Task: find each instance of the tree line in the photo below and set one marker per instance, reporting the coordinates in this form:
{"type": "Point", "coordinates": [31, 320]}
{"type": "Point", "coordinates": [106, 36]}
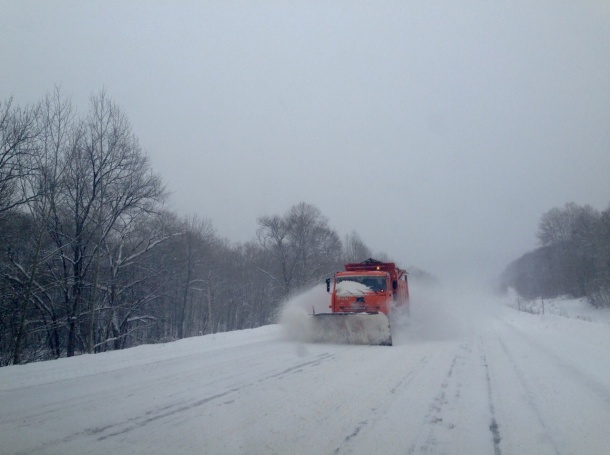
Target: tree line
{"type": "Point", "coordinates": [573, 258]}
{"type": "Point", "coordinates": [92, 259]}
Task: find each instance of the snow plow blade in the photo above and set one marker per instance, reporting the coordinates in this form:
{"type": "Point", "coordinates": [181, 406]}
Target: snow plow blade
{"type": "Point", "coordinates": [352, 328]}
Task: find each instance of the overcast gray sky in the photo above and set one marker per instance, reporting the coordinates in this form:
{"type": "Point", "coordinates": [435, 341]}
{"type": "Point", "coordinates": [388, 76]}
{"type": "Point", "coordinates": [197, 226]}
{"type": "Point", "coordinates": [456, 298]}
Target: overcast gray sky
{"type": "Point", "coordinates": [440, 131]}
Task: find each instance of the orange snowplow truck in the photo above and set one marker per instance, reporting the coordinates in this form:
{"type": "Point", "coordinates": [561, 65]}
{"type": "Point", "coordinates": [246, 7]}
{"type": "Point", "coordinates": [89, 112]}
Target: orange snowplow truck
{"type": "Point", "coordinates": [363, 298]}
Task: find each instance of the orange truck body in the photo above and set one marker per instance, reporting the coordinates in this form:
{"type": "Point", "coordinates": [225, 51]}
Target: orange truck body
{"type": "Point", "coordinates": [369, 287]}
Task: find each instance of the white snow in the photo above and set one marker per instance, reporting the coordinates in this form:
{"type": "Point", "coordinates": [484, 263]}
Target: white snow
{"type": "Point", "coordinates": [468, 375]}
{"type": "Point", "coordinates": [563, 306]}
{"type": "Point", "coordinates": [344, 288]}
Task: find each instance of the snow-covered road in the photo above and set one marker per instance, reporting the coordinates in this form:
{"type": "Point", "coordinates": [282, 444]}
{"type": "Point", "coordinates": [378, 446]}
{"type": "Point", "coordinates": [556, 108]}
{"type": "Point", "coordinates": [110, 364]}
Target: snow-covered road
{"type": "Point", "coordinates": [463, 379]}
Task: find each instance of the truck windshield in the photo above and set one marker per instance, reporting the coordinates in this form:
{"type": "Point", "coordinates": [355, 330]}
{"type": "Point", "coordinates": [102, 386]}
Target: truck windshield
{"type": "Point", "coordinates": [374, 283]}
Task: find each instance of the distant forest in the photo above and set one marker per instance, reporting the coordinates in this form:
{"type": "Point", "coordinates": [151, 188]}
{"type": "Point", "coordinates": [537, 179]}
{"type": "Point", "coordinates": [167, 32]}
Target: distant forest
{"type": "Point", "coordinates": [573, 258]}
{"type": "Point", "coordinates": [92, 260]}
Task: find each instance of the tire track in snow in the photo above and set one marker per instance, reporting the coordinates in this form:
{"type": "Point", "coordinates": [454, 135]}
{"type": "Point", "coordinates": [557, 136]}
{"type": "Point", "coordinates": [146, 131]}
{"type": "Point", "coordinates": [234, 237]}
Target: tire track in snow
{"type": "Point", "coordinates": [531, 402]}
{"type": "Point", "coordinates": [493, 426]}
{"type": "Point", "coordinates": [434, 417]}
{"type": "Point", "coordinates": [299, 367]}
{"type": "Point", "coordinates": [602, 391]}
{"type": "Point", "coordinates": [173, 409]}
{"type": "Point", "coordinates": [138, 422]}
{"type": "Point", "coordinates": [405, 381]}
{"type": "Point", "coordinates": [402, 384]}
{"type": "Point", "coordinates": [352, 435]}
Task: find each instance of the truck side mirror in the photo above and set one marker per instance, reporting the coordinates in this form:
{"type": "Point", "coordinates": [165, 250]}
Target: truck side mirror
{"type": "Point", "coordinates": [394, 284]}
{"type": "Point", "coordinates": [327, 284]}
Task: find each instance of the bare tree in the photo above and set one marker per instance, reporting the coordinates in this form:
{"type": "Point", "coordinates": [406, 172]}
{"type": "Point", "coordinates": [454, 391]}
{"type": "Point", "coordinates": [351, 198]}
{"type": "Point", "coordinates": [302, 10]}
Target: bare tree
{"type": "Point", "coordinates": [557, 225]}
{"type": "Point", "coordinates": [273, 237]}
{"type": "Point", "coordinates": [303, 246]}
{"type": "Point", "coordinates": [38, 189]}
{"type": "Point", "coordinates": [18, 129]}
{"type": "Point", "coordinates": [197, 238]}
{"type": "Point", "coordinates": [106, 178]}
{"type": "Point", "coordinates": [571, 232]}
{"type": "Point", "coordinates": [354, 249]}
{"type": "Point", "coordinates": [598, 291]}
{"type": "Point", "coordinates": [572, 260]}
{"type": "Point", "coordinates": [128, 282]}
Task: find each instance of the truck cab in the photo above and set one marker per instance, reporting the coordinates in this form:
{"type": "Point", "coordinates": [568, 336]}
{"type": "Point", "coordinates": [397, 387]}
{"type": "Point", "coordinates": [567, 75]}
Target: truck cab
{"type": "Point", "coordinates": [368, 287]}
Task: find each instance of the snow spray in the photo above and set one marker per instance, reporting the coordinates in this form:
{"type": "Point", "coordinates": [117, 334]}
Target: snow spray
{"type": "Point", "coordinates": [295, 315]}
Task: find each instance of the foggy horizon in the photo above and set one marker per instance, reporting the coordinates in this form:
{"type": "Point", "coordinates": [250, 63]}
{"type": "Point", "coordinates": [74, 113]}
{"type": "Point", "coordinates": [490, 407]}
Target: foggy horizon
{"type": "Point", "coordinates": [440, 133]}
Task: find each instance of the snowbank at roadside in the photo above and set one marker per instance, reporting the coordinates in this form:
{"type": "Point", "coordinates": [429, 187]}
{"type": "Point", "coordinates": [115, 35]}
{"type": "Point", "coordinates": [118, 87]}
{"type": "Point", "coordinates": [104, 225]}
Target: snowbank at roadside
{"type": "Point", "coordinates": [561, 306]}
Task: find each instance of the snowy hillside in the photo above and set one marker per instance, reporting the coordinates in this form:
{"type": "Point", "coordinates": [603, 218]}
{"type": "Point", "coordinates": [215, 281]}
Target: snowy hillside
{"type": "Point", "coordinates": [470, 375]}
